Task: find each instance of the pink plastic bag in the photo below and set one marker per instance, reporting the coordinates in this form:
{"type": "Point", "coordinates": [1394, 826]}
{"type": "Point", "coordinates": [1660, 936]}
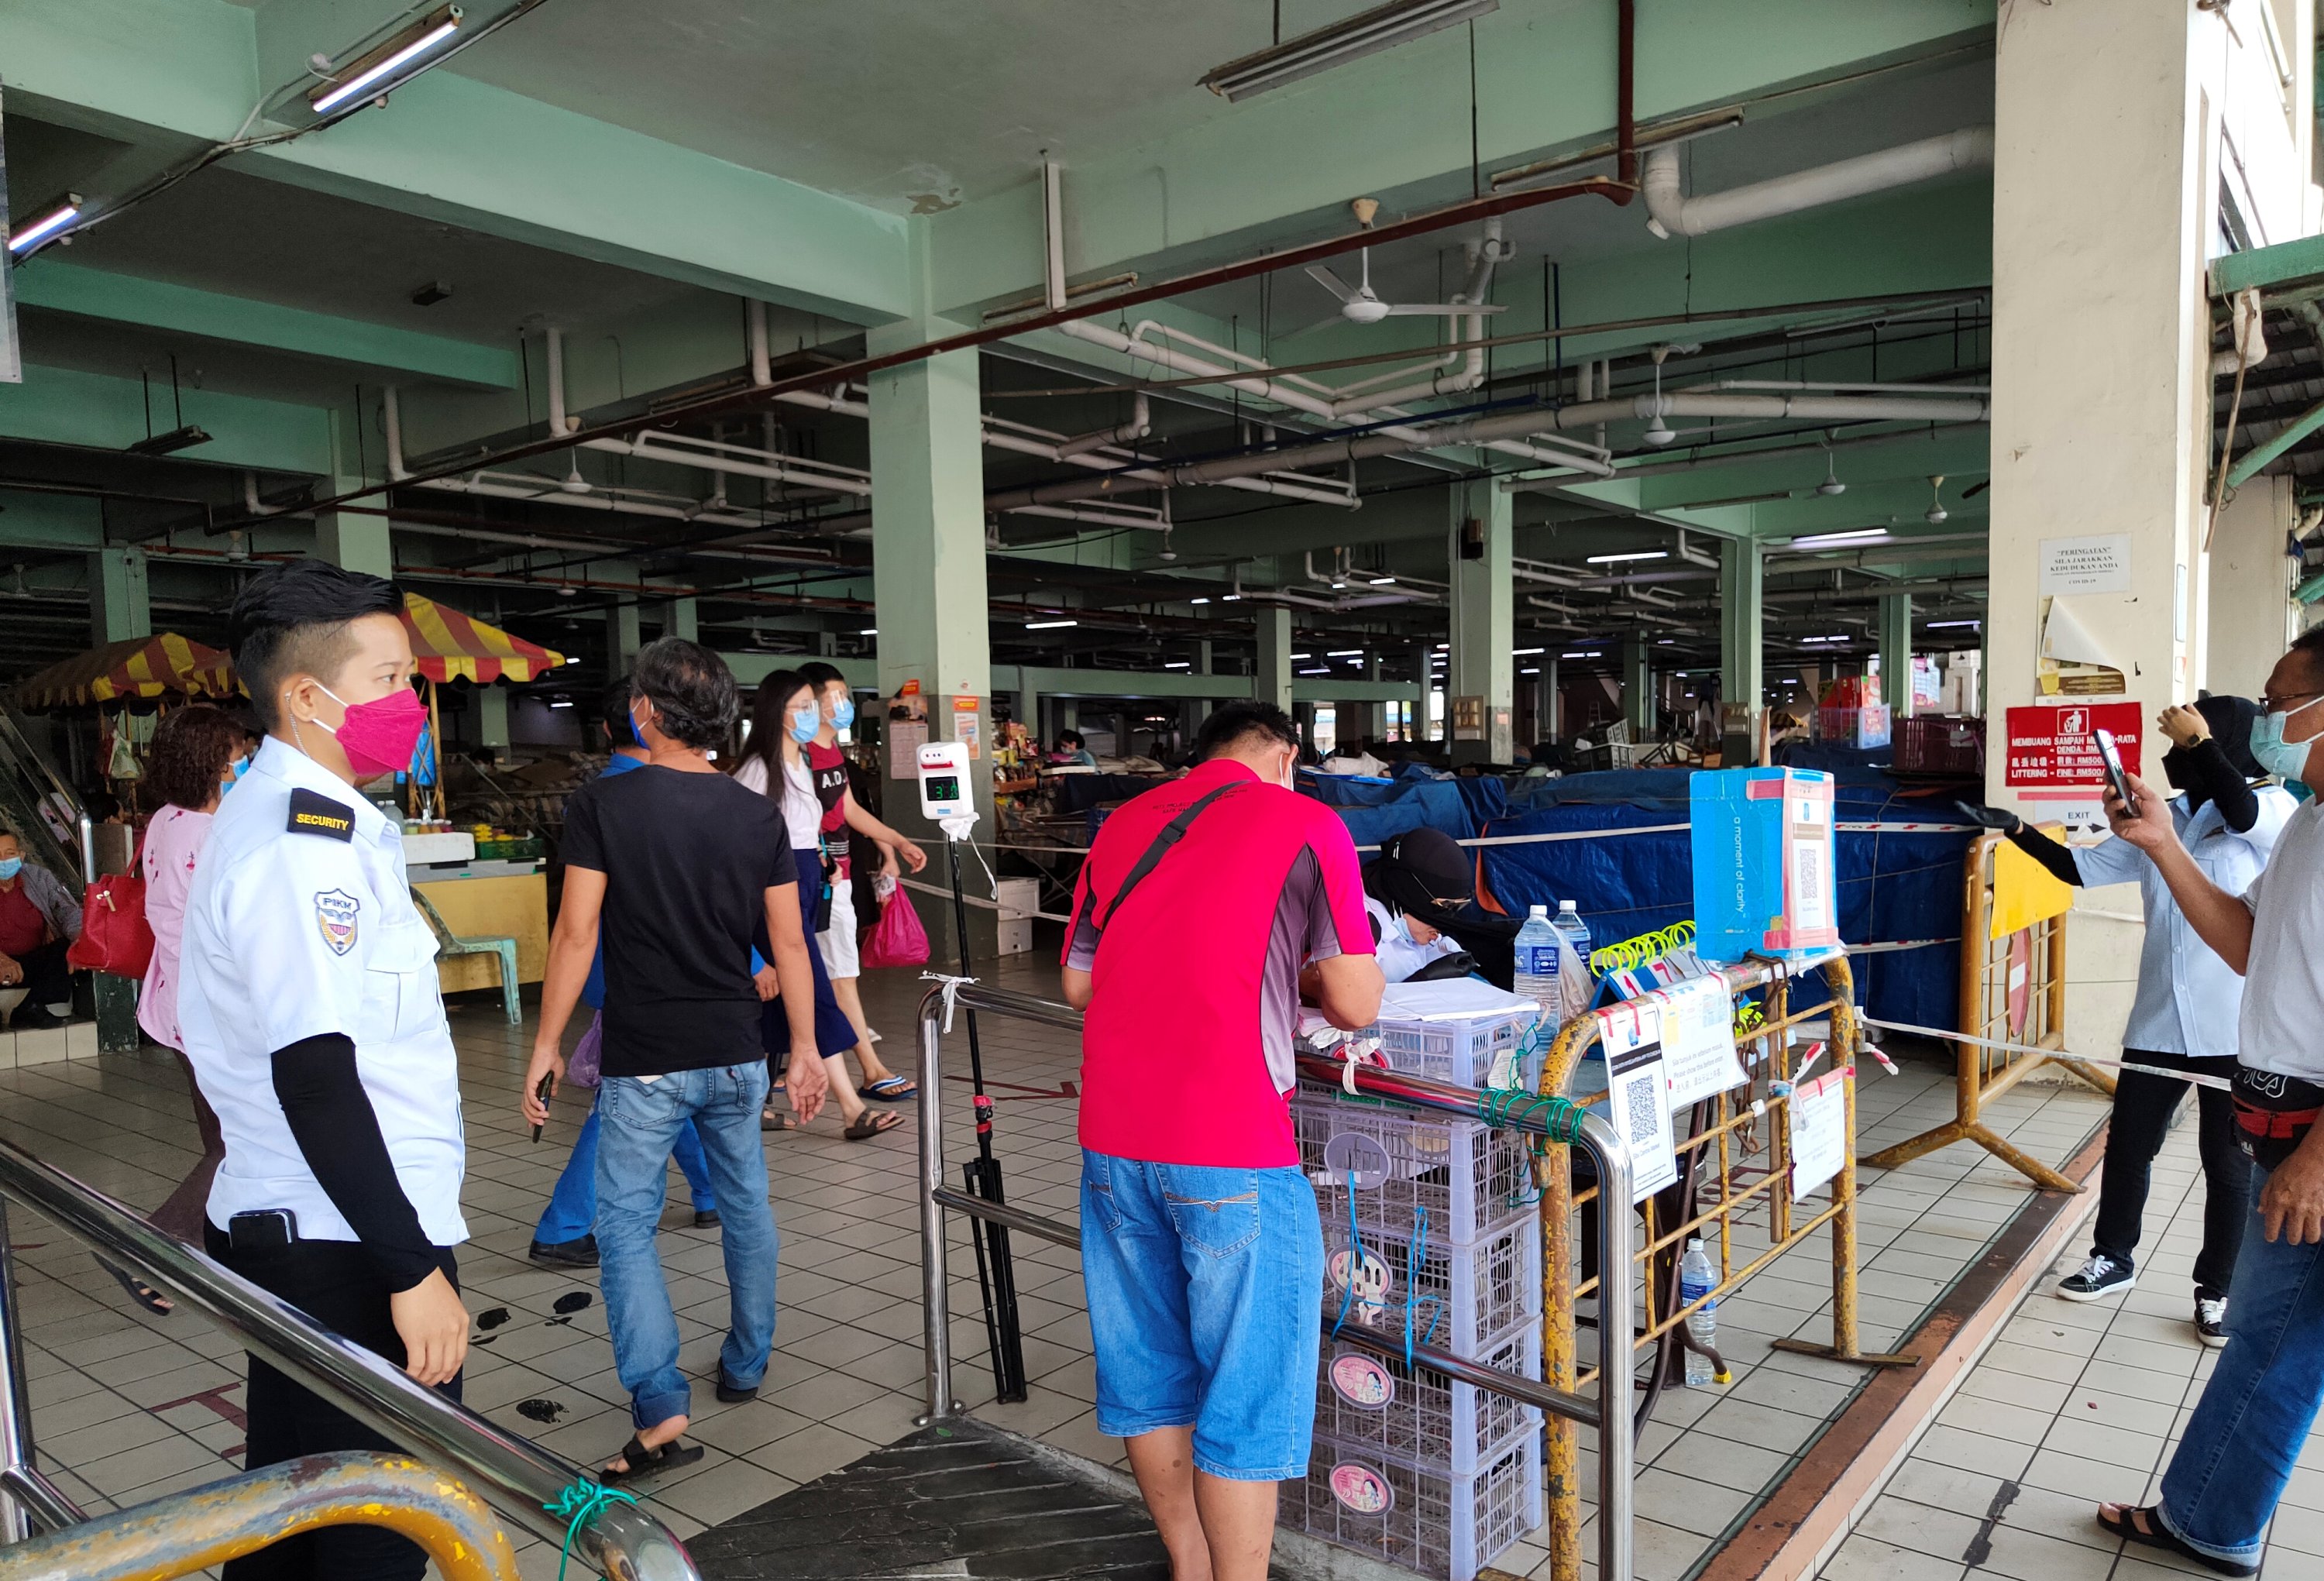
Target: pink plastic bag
{"type": "Point", "coordinates": [897, 940]}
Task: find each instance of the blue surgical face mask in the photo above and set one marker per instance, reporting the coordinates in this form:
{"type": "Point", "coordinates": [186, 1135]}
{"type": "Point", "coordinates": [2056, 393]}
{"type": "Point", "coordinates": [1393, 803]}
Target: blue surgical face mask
{"type": "Point", "coordinates": [2288, 759]}
{"type": "Point", "coordinates": [10, 868]}
{"type": "Point", "coordinates": [842, 711]}
{"type": "Point", "coordinates": [806, 724]}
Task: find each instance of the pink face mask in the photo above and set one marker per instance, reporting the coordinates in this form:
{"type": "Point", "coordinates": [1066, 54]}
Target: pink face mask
{"type": "Point", "coordinates": [379, 737]}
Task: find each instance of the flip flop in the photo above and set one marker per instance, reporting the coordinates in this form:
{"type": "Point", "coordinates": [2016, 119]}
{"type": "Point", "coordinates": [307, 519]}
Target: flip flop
{"type": "Point", "coordinates": [642, 1461]}
{"type": "Point", "coordinates": [890, 1090]}
{"type": "Point", "coordinates": [2152, 1533]}
{"type": "Point", "coordinates": [143, 1293]}
{"type": "Point", "coordinates": [867, 1125]}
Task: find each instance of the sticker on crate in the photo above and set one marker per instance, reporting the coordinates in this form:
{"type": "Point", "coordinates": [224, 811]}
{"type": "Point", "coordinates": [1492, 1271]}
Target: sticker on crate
{"type": "Point", "coordinates": [1363, 1381]}
{"type": "Point", "coordinates": [1363, 1489]}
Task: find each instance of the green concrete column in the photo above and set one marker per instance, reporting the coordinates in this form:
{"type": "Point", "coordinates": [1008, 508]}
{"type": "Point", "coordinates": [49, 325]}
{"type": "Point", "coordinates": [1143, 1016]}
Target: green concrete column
{"type": "Point", "coordinates": [119, 604]}
{"type": "Point", "coordinates": [1637, 685]}
{"type": "Point", "coordinates": [622, 637]}
{"type": "Point", "coordinates": [927, 579]}
{"type": "Point", "coordinates": [1270, 675]}
{"type": "Point", "coordinates": [1742, 649]}
{"type": "Point", "coordinates": [1483, 617]}
{"type": "Point", "coordinates": [1896, 653]}
{"type": "Point", "coordinates": [682, 617]}
{"type": "Point", "coordinates": [491, 717]}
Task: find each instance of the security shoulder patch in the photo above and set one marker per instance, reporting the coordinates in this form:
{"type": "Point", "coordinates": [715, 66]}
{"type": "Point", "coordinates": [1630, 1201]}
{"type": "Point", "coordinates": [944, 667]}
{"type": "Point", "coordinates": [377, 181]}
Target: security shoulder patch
{"type": "Point", "coordinates": [312, 813]}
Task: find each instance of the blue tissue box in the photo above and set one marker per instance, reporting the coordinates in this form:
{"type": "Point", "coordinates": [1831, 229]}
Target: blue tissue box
{"type": "Point", "coordinates": [1765, 880]}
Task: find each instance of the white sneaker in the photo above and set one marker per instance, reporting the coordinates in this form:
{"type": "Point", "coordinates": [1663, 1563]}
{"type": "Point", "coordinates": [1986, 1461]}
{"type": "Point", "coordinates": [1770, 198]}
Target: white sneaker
{"type": "Point", "coordinates": [2097, 1279]}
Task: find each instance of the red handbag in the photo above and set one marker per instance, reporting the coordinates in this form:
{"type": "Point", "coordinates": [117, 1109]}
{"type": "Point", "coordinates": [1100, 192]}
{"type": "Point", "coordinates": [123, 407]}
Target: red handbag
{"type": "Point", "coordinates": [114, 936]}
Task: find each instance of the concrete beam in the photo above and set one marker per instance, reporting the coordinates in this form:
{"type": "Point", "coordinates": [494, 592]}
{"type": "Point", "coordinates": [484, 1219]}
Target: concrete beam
{"type": "Point", "coordinates": [51, 283]}
{"type": "Point", "coordinates": [186, 72]}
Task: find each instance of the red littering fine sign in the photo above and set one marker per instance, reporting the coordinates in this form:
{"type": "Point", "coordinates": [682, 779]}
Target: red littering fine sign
{"type": "Point", "coordinates": [2050, 746]}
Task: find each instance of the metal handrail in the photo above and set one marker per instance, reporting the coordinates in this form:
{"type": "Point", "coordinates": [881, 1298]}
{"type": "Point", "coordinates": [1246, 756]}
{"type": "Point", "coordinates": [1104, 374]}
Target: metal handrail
{"type": "Point", "coordinates": [1608, 1410]}
{"type": "Point", "coordinates": [512, 1473]}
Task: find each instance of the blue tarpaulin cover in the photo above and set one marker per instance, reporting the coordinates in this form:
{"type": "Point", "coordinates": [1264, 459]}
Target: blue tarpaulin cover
{"type": "Point", "coordinates": [1893, 884]}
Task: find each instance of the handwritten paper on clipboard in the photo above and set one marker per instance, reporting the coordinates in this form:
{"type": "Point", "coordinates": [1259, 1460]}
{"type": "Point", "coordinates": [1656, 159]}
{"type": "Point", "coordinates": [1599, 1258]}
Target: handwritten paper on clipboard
{"type": "Point", "coordinates": [1637, 1094]}
{"type": "Point", "coordinates": [1819, 1131]}
{"type": "Point", "coordinates": [1698, 1031]}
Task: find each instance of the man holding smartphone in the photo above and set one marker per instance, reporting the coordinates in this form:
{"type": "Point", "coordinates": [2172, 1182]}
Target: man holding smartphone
{"type": "Point", "coordinates": [309, 1002]}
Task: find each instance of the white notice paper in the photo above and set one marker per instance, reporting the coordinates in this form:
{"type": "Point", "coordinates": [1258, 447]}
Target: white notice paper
{"type": "Point", "coordinates": [1819, 1129]}
{"type": "Point", "coordinates": [1699, 1040]}
{"type": "Point", "coordinates": [2097, 562]}
{"type": "Point", "coordinates": [1637, 1094]}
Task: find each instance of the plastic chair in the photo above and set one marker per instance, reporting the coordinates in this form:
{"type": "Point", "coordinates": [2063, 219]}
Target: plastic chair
{"type": "Point", "coordinates": [451, 943]}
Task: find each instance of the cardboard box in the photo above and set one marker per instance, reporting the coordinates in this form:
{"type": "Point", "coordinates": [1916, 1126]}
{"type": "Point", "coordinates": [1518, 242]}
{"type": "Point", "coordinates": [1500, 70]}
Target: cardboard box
{"type": "Point", "coordinates": [1765, 878]}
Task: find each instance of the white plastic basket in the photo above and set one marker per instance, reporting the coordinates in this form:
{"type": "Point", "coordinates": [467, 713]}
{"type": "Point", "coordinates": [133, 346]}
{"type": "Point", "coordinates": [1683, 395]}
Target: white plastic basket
{"type": "Point", "coordinates": [1469, 1178]}
{"type": "Point", "coordinates": [1485, 1050]}
{"type": "Point", "coordinates": [1436, 1523]}
{"type": "Point", "coordinates": [1457, 1298]}
{"type": "Point", "coordinates": [1366, 1401]}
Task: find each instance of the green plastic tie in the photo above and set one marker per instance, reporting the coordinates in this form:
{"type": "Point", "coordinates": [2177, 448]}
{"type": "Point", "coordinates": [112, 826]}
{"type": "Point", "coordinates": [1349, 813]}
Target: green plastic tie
{"type": "Point", "coordinates": [577, 1505]}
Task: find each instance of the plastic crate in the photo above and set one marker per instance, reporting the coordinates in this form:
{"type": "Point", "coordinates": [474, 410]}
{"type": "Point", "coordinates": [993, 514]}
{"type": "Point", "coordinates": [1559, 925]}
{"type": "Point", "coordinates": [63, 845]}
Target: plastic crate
{"type": "Point", "coordinates": [1469, 1178]}
{"type": "Point", "coordinates": [1458, 1298]}
{"type": "Point", "coordinates": [1423, 1417]}
{"type": "Point", "coordinates": [1434, 1522]}
{"type": "Point", "coordinates": [1490, 1049]}
{"type": "Point", "coordinates": [1939, 743]}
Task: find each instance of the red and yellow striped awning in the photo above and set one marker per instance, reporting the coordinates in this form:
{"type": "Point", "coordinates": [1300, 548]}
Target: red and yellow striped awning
{"type": "Point", "coordinates": [136, 666]}
{"type": "Point", "coordinates": [448, 644]}
{"type": "Point", "coordinates": [451, 646]}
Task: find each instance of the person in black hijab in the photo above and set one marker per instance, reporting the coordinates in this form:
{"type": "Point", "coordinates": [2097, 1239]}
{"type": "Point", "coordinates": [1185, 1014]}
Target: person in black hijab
{"type": "Point", "coordinates": [2184, 1016]}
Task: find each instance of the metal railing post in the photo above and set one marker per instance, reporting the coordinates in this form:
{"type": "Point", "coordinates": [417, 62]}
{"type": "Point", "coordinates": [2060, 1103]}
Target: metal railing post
{"type": "Point", "coordinates": [935, 1276]}
{"type": "Point", "coordinates": [621, 1541]}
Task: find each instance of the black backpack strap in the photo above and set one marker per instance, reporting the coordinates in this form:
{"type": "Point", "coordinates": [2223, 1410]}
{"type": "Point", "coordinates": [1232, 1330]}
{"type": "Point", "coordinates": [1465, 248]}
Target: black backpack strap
{"type": "Point", "coordinates": [1172, 833]}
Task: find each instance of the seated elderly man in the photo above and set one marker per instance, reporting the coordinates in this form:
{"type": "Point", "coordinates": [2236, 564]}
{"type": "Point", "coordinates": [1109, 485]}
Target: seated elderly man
{"type": "Point", "coordinates": [39, 920]}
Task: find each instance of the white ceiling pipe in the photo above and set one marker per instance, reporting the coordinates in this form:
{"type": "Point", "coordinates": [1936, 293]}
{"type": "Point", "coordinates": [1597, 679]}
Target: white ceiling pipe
{"type": "Point", "coordinates": [1671, 214]}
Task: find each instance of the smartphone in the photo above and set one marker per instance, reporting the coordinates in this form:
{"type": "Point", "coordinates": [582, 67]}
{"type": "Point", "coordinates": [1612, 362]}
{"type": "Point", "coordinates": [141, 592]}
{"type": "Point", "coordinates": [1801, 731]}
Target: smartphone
{"type": "Point", "coordinates": [2111, 756]}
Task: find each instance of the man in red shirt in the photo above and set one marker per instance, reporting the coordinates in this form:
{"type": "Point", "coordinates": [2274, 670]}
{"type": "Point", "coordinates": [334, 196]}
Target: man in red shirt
{"type": "Point", "coordinates": [1204, 909]}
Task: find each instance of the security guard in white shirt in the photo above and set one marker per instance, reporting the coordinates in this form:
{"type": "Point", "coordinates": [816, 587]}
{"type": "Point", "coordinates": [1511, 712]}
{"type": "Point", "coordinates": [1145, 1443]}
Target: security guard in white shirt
{"type": "Point", "coordinates": [312, 1019]}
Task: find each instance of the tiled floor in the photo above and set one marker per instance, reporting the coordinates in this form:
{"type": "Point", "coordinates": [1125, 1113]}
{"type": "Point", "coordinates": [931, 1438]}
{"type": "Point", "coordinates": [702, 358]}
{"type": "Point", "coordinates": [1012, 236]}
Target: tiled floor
{"type": "Point", "coordinates": [2072, 1404]}
{"type": "Point", "coordinates": [847, 1374]}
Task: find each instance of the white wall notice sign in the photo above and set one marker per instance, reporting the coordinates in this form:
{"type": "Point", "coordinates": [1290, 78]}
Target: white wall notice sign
{"type": "Point", "coordinates": [1819, 1131]}
{"type": "Point", "coordinates": [2096, 563]}
{"type": "Point", "coordinates": [1637, 1094]}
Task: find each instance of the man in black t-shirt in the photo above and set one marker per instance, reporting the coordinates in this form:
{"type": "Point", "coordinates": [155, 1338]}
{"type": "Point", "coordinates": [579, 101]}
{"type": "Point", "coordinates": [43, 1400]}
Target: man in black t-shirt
{"type": "Point", "coordinates": [678, 866]}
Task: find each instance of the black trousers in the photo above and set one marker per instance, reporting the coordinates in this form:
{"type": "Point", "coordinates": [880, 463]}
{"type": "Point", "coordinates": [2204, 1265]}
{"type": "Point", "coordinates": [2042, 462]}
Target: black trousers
{"type": "Point", "coordinates": [335, 1282]}
{"type": "Point", "coordinates": [2143, 1107]}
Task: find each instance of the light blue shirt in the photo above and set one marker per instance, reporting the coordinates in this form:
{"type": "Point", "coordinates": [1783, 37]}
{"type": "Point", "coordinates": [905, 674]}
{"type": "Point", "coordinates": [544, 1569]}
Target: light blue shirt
{"type": "Point", "coordinates": [2188, 1000]}
{"type": "Point", "coordinates": [292, 936]}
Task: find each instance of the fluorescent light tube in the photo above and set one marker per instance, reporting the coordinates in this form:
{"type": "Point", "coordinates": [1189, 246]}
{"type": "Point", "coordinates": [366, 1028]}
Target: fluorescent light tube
{"type": "Point", "coordinates": [1634, 555]}
{"type": "Point", "coordinates": [372, 71]}
{"type": "Point", "coordinates": [66, 210]}
{"type": "Point", "coordinates": [1367, 32]}
{"type": "Point", "coordinates": [1048, 625]}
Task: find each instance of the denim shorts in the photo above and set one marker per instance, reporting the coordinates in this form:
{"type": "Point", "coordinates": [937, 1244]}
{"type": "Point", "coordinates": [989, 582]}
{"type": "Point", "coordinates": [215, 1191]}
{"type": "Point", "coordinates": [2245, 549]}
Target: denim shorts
{"type": "Point", "coordinates": [1204, 1287]}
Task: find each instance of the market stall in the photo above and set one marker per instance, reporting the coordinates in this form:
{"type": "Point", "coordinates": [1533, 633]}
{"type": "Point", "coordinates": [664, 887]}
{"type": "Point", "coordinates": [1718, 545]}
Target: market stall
{"type": "Point", "coordinates": [483, 882]}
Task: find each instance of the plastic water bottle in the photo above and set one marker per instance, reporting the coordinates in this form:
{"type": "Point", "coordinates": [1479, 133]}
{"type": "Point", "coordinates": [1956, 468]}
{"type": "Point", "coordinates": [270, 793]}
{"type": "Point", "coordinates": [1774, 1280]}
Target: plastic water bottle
{"type": "Point", "coordinates": [1536, 963]}
{"type": "Point", "coordinates": [1697, 1278]}
{"type": "Point", "coordinates": [1573, 931]}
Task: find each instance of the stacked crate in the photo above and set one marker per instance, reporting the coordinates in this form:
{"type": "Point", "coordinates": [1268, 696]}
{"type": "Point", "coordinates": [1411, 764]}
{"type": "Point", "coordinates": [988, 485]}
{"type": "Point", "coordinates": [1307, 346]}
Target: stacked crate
{"type": "Point", "coordinates": [1431, 1230]}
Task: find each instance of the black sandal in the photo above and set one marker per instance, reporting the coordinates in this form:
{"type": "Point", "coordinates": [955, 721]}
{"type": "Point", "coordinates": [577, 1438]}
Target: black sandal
{"type": "Point", "coordinates": [867, 1125]}
{"type": "Point", "coordinates": [143, 1293]}
{"type": "Point", "coordinates": [2152, 1533]}
{"type": "Point", "coordinates": [640, 1461]}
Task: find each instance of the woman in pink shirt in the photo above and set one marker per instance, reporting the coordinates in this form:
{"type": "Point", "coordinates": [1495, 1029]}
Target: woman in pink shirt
{"type": "Point", "coordinates": [198, 754]}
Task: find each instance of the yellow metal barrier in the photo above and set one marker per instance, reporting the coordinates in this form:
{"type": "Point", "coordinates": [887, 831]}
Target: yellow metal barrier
{"type": "Point", "coordinates": [193, 1531]}
{"type": "Point", "coordinates": [1736, 1136]}
{"type": "Point", "coordinates": [2012, 989]}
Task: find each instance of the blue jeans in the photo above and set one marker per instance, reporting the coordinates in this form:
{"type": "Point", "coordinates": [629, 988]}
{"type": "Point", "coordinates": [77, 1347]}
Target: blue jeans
{"type": "Point", "coordinates": [1204, 1289]}
{"type": "Point", "coordinates": [641, 1120]}
{"type": "Point", "coordinates": [2222, 1482]}
{"type": "Point", "coordinates": [572, 1211]}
